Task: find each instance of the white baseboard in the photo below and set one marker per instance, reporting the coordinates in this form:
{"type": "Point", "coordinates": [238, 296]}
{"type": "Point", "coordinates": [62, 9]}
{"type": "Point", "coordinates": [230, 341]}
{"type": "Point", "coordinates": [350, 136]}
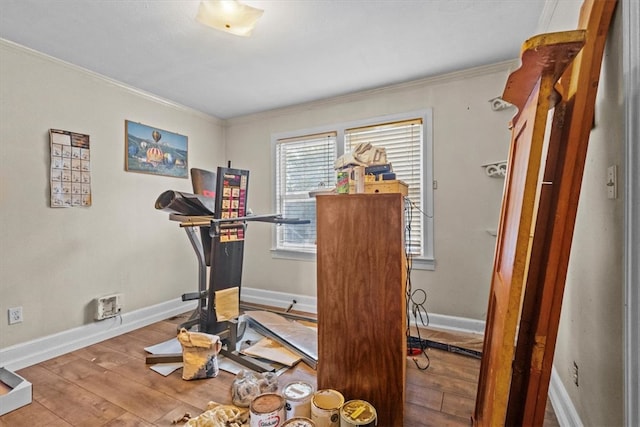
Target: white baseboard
{"type": "Point", "coordinates": [309, 305]}
{"type": "Point", "coordinates": [31, 352]}
{"type": "Point", "coordinates": [458, 324]}
{"type": "Point", "coordinates": [279, 299]}
{"type": "Point", "coordinates": [562, 405]}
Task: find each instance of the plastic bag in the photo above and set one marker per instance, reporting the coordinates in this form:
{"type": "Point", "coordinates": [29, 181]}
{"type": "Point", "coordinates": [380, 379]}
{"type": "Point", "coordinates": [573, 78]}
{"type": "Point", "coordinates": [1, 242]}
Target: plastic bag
{"type": "Point", "coordinates": [248, 384]}
{"type": "Point", "coordinates": [199, 354]}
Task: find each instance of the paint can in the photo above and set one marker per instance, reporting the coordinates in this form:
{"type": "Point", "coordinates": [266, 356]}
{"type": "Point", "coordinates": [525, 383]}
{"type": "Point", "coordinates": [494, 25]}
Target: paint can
{"type": "Point", "coordinates": [358, 413]}
{"type": "Point", "coordinates": [325, 408]}
{"type": "Point", "coordinates": [298, 399]}
{"type": "Point", "coordinates": [267, 410]}
{"type": "Point", "coordinates": [299, 422]}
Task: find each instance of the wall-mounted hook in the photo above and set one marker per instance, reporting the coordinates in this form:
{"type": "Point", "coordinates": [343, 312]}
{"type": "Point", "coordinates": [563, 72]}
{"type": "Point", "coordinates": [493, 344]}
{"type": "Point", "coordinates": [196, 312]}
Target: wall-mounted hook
{"type": "Point", "coordinates": [496, 169]}
{"type": "Point", "coordinates": [498, 104]}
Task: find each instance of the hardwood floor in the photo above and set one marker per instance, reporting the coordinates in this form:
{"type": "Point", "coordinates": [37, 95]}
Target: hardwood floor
{"type": "Point", "coordinates": [108, 384]}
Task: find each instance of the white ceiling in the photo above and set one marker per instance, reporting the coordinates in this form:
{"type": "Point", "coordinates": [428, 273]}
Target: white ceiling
{"type": "Point", "coordinates": [300, 50]}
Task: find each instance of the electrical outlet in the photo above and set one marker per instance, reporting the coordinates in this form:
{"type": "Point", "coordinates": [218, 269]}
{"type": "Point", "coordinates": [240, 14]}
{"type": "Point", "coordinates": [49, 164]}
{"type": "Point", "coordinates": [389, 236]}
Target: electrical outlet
{"type": "Point", "coordinates": [15, 315]}
{"type": "Point", "coordinates": [575, 373]}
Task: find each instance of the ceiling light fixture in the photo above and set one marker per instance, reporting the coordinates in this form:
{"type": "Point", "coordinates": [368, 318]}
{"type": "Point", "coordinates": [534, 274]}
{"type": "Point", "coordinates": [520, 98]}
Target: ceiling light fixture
{"type": "Point", "coordinates": [230, 16]}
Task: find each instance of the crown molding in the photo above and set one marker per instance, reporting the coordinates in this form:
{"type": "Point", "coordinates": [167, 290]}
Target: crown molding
{"type": "Point", "coordinates": [504, 66]}
{"type": "Point", "coordinates": [9, 45]}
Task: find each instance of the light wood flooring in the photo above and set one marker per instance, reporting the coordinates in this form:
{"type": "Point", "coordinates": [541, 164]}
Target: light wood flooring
{"type": "Point", "coordinates": [108, 384]}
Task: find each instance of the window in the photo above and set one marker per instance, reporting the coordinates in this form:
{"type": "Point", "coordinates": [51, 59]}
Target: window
{"type": "Point", "coordinates": [304, 162]}
{"type": "Point", "coordinates": [403, 144]}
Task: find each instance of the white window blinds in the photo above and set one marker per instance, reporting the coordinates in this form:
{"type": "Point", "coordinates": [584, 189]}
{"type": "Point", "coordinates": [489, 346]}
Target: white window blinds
{"type": "Point", "coordinates": [303, 164]}
{"type": "Point", "coordinates": [403, 143]}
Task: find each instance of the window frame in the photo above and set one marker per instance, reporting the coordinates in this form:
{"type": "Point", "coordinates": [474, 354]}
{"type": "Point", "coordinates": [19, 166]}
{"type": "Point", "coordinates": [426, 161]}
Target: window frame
{"type": "Point", "coordinates": [423, 262]}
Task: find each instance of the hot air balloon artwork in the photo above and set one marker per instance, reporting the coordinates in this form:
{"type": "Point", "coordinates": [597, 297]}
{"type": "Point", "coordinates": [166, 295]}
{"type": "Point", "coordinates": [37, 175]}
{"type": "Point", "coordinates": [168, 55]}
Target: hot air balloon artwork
{"type": "Point", "coordinates": [155, 156]}
{"type": "Point", "coordinates": [155, 151]}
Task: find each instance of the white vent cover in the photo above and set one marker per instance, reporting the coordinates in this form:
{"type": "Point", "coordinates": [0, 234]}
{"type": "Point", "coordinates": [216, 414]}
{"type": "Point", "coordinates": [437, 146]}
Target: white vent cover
{"type": "Point", "coordinates": [108, 306]}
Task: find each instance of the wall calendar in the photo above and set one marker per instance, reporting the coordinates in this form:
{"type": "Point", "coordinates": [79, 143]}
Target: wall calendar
{"type": "Point", "coordinates": [70, 179]}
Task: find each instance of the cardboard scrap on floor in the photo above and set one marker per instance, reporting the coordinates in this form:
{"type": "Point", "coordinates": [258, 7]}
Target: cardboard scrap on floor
{"type": "Point", "coordinates": [301, 340]}
{"type": "Point", "coordinates": [260, 347]}
{"type": "Point", "coordinates": [269, 349]}
{"type": "Point", "coordinates": [171, 346]}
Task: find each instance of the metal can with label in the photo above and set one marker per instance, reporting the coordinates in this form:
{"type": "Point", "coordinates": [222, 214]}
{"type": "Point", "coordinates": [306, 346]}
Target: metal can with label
{"type": "Point", "coordinates": [325, 408]}
{"type": "Point", "coordinates": [267, 410]}
{"type": "Point", "coordinates": [358, 413]}
{"type": "Point", "coordinates": [298, 399]}
{"type": "Point", "coordinates": [299, 422]}
{"type": "Point", "coordinates": [342, 182]}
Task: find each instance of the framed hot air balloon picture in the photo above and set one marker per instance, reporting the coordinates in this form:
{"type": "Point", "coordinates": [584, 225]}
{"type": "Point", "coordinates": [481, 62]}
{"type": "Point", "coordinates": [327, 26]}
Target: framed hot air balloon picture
{"type": "Point", "coordinates": [155, 151]}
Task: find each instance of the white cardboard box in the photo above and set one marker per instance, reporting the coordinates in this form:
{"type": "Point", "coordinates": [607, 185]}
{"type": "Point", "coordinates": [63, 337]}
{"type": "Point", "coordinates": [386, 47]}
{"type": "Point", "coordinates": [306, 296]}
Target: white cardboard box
{"type": "Point", "coordinates": [19, 393]}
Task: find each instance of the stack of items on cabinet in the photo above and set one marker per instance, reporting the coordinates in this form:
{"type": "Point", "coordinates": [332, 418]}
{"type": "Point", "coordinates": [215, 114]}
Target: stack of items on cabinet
{"type": "Point", "coordinates": [367, 170]}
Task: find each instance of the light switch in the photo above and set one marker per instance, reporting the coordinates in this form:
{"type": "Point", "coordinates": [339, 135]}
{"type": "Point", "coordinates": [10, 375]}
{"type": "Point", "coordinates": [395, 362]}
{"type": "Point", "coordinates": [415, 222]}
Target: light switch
{"type": "Point", "coordinates": [612, 182]}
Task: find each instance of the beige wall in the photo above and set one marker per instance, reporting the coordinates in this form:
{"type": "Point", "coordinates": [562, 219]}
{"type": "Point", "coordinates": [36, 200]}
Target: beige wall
{"type": "Point", "coordinates": [53, 262]}
{"type": "Point", "coordinates": [467, 133]}
{"type": "Point", "coordinates": [592, 313]}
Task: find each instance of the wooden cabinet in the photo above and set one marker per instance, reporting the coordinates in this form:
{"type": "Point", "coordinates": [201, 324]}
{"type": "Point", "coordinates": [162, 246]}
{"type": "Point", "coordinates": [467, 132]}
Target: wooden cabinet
{"type": "Point", "coordinates": [361, 272]}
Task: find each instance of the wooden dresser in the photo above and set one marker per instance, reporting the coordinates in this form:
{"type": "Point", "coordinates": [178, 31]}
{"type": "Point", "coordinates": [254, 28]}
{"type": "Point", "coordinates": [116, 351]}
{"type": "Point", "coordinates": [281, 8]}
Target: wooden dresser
{"type": "Point", "coordinates": [361, 272]}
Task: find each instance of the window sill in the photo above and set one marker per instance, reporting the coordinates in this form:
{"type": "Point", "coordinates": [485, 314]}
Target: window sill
{"type": "Point", "coordinates": [423, 264]}
{"type": "Point", "coordinates": [293, 255]}
{"type": "Point", "coordinates": [417, 263]}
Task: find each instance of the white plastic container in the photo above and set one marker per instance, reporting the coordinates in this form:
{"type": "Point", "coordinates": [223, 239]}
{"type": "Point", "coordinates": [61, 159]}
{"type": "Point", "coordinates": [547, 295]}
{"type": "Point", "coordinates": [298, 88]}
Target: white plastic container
{"type": "Point", "coordinates": [298, 399]}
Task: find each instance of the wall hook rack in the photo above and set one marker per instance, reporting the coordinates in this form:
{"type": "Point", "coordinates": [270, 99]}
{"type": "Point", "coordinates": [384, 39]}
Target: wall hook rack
{"type": "Point", "coordinates": [499, 104]}
{"type": "Point", "coordinates": [496, 169]}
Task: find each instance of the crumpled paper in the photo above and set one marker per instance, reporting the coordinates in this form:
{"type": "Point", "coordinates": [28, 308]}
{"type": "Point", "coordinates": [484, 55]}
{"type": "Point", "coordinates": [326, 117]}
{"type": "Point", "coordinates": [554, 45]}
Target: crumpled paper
{"type": "Point", "coordinates": [218, 415]}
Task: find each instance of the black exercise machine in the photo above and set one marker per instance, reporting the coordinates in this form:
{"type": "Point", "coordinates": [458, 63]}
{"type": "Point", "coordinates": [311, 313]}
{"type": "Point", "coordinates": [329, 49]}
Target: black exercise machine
{"type": "Point", "coordinates": [218, 209]}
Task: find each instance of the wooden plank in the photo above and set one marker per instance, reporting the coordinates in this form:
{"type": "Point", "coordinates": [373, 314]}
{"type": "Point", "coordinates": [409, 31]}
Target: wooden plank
{"type": "Point", "coordinates": [103, 356]}
{"type": "Point", "coordinates": [553, 234]}
{"type": "Point", "coordinates": [450, 385]}
{"type": "Point", "coordinates": [421, 395]}
{"type": "Point", "coordinates": [80, 406]}
{"type": "Point", "coordinates": [34, 414]}
{"type": "Point", "coordinates": [194, 393]}
{"type": "Point", "coordinates": [549, 54]}
{"type": "Point", "coordinates": [423, 407]}
{"type": "Point", "coordinates": [459, 406]}
{"type": "Point", "coordinates": [450, 365]}
{"type": "Point", "coordinates": [531, 88]}
{"type": "Point", "coordinates": [129, 420]}
{"type": "Point", "coordinates": [152, 359]}
{"type": "Point", "coordinates": [429, 418]}
{"type": "Point", "coordinates": [128, 394]}
{"type": "Point", "coordinates": [361, 300]}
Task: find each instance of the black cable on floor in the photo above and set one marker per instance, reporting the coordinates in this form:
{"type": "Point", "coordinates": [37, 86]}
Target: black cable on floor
{"type": "Point", "coordinates": [417, 306]}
